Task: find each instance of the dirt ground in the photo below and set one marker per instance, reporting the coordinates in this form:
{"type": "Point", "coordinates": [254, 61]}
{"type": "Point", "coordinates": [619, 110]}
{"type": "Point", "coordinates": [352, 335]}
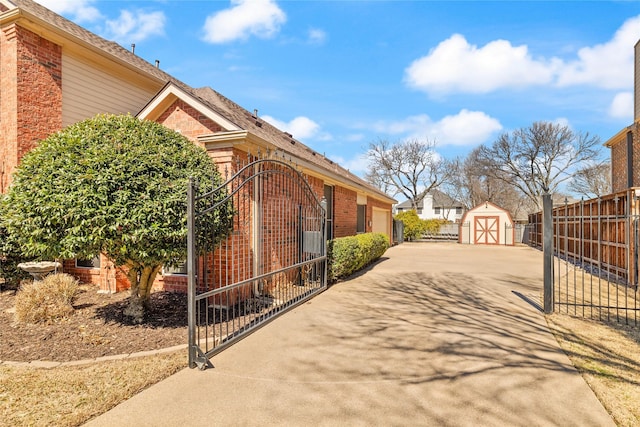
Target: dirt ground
{"type": "Point", "coordinates": [97, 328]}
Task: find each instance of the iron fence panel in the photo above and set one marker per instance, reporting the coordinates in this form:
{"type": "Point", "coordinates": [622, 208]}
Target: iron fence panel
{"type": "Point", "coordinates": [273, 259]}
{"type": "Point", "coordinates": [595, 247]}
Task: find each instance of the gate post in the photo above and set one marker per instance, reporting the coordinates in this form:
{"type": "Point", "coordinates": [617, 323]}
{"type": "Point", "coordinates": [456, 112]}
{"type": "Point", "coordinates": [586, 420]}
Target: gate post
{"type": "Point", "coordinates": [191, 272]}
{"type": "Point", "coordinates": [547, 250]}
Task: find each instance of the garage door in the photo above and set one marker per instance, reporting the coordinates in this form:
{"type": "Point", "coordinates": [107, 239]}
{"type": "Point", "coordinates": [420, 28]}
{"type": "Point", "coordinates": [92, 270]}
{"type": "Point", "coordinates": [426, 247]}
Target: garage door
{"type": "Point", "coordinates": [381, 221]}
{"type": "Point", "coordinates": [486, 230]}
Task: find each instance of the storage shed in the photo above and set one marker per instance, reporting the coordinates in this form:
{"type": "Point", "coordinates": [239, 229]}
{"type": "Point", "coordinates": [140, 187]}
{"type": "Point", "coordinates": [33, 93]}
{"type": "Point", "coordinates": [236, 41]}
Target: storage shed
{"type": "Point", "coordinates": [487, 224]}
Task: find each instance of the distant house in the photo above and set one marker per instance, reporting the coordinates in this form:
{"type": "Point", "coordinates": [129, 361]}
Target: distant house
{"type": "Point", "coordinates": [55, 73]}
{"type": "Point", "coordinates": [435, 205]}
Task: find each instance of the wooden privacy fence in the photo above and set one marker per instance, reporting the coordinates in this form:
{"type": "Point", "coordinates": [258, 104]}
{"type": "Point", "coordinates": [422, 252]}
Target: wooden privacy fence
{"type": "Point", "coordinates": [595, 244]}
{"type": "Point", "coordinates": [600, 234]}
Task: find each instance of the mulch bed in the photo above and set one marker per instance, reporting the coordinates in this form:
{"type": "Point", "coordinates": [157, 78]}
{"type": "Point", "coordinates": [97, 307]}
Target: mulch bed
{"type": "Point", "coordinates": [97, 328]}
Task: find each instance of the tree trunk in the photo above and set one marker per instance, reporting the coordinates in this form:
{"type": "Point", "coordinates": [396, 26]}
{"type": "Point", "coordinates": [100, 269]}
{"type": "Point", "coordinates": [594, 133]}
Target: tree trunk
{"type": "Point", "coordinates": [141, 279]}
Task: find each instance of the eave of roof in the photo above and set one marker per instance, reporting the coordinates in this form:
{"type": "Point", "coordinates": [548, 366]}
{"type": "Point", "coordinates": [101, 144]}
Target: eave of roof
{"type": "Point", "coordinates": [618, 137]}
{"type": "Point", "coordinates": [42, 21]}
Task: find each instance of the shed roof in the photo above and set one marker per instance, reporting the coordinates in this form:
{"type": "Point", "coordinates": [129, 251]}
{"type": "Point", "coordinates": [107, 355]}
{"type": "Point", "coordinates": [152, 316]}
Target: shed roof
{"type": "Point", "coordinates": [482, 207]}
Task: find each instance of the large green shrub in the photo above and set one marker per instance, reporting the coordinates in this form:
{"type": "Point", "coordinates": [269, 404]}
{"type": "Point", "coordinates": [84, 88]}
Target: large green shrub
{"type": "Point", "coordinates": [350, 254]}
{"type": "Point", "coordinates": [414, 226]}
{"type": "Point", "coordinates": [115, 185]}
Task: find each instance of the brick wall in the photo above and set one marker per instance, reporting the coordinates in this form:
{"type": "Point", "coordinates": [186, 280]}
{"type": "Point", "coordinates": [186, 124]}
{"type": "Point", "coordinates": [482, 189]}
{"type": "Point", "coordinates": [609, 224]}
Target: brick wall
{"type": "Point", "coordinates": [8, 105]}
{"type": "Point", "coordinates": [188, 121]}
{"type": "Point", "coordinates": [345, 211]}
{"type": "Point", "coordinates": [108, 278]}
{"type": "Point", "coordinates": [635, 131]}
{"type": "Point", "coordinates": [619, 166]}
{"type": "Point", "coordinates": [31, 103]}
{"type": "Point", "coordinates": [619, 160]}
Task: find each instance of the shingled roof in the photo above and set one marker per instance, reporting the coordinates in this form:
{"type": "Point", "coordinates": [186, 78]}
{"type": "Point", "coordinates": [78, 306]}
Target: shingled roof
{"type": "Point", "coordinates": [39, 14]}
{"type": "Point", "coordinates": [233, 112]}
{"type": "Point", "coordinates": [283, 141]}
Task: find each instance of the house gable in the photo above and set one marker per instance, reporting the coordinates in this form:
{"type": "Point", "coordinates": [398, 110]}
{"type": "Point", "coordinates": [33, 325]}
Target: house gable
{"type": "Point", "coordinates": [188, 121]}
{"type": "Point", "coordinates": [172, 96]}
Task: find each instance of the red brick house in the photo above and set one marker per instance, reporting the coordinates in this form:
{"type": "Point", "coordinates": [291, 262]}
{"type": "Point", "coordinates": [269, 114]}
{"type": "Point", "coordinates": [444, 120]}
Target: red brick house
{"type": "Point", "coordinates": [54, 73]}
{"type": "Point", "coordinates": [625, 145]}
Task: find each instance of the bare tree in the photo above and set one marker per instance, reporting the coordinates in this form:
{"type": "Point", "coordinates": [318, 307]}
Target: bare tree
{"type": "Point", "coordinates": [593, 180]}
{"type": "Point", "coordinates": [411, 168]}
{"type": "Point", "coordinates": [472, 184]}
{"type": "Point", "coordinates": [539, 158]}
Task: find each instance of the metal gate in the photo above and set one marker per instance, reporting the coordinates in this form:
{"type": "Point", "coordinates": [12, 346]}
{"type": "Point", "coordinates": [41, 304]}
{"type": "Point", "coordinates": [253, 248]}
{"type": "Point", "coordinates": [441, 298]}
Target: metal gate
{"type": "Point", "coordinates": [273, 259]}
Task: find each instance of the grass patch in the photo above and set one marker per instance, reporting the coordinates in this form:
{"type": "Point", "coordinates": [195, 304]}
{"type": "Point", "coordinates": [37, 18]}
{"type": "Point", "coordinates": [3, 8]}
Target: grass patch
{"type": "Point", "coordinates": [608, 357]}
{"type": "Point", "coordinates": [70, 396]}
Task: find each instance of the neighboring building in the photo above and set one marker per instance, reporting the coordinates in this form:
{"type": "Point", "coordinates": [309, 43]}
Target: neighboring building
{"type": "Point", "coordinates": [55, 73]}
{"type": "Point", "coordinates": [487, 224]}
{"type": "Point", "coordinates": [625, 145]}
{"type": "Point", "coordinates": [435, 205]}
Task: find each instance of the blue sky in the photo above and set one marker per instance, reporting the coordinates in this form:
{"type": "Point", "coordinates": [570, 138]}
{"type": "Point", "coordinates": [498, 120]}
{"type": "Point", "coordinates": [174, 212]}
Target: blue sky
{"type": "Point", "coordinates": [341, 74]}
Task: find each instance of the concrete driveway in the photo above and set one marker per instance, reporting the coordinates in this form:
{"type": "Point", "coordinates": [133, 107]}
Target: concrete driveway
{"type": "Point", "coordinates": [434, 335]}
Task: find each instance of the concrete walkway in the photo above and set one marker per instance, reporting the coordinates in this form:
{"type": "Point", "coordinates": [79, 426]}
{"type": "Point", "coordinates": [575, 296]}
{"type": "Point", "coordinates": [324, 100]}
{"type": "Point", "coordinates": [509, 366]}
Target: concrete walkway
{"type": "Point", "coordinates": [433, 335]}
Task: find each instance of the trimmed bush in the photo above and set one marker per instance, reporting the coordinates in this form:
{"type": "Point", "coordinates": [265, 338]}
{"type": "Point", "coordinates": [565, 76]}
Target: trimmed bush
{"type": "Point", "coordinates": [432, 226]}
{"type": "Point", "coordinates": [414, 226]}
{"type": "Point", "coordinates": [48, 300]}
{"type": "Point", "coordinates": [350, 254]}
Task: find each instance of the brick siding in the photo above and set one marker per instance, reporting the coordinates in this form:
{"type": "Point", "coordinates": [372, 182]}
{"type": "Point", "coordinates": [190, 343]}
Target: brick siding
{"type": "Point", "coordinates": [31, 103]}
{"type": "Point", "coordinates": [188, 121]}
{"type": "Point", "coordinates": [345, 212]}
{"type": "Point", "coordinates": [619, 160]}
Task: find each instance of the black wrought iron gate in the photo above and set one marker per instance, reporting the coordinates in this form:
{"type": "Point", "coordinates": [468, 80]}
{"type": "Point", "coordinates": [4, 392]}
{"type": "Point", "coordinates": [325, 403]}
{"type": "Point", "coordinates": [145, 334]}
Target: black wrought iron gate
{"type": "Point", "coordinates": [273, 259]}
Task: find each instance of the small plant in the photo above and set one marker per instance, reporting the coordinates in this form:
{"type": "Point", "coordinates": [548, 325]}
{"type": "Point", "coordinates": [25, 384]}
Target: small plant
{"type": "Point", "coordinates": [48, 300]}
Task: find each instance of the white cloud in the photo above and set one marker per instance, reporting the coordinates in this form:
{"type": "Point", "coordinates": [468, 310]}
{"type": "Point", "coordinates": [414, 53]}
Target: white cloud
{"type": "Point", "coordinates": [357, 165]}
{"type": "Point", "coordinates": [467, 128]}
{"type": "Point", "coordinates": [457, 66]}
{"type": "Point", "coordinates": [261, 18]}
{"type": "Point", "coordinates": [78, 10]}
{"type": "Point", "coordinates": [622, 106]}
{"type": "Point", "coordinates": [317, 36]}
{"type": "Point", "coordinates": [608, 65]}
{"type": "Point", "coordinates": [135, 26]}
{"type": "Point", "coordinates": [301, 127]}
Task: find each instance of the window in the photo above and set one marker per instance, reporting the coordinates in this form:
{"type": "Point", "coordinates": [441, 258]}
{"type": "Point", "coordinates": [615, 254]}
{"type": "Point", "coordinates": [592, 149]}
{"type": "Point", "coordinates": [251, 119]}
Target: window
{"type": "Point", "coordinates": [458, 211]}
{"type": "Point", "coordinates": [88, 263]}
{"type": "Point", "coordinates": [362, 214]}
{"type": "Point", "coordinates": [419, 211]}
{"type": "Point", "coordinates": [177, 269]}
{"type": "Point", "coordinates": [436, 211]}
